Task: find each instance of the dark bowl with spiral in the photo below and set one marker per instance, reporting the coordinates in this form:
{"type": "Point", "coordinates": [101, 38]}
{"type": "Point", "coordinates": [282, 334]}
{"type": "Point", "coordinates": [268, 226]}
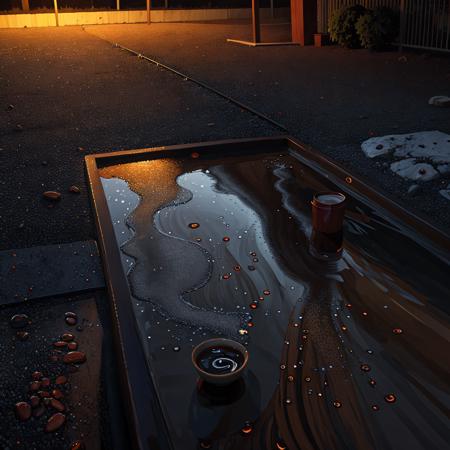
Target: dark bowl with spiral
{"type": "Point", "coordinates": [220, 361]}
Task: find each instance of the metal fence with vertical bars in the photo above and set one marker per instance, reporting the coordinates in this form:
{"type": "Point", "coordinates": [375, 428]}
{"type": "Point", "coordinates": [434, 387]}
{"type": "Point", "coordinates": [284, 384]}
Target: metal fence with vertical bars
{"type": "Point", "coordinates": [425, 24]}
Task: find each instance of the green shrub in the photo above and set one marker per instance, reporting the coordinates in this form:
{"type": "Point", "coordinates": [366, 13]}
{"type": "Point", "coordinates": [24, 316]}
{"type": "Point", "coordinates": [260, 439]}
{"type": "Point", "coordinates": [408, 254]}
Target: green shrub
{"type": "Point", "coordinates": [378, 28]}
{"type": "Point", "coordinates": [342, 26]}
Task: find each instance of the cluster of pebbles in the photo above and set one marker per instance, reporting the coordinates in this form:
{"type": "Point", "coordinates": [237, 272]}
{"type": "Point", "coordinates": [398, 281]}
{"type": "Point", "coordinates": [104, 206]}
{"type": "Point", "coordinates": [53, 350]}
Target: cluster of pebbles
{"type": "Point", "coordinates": [46, 394]}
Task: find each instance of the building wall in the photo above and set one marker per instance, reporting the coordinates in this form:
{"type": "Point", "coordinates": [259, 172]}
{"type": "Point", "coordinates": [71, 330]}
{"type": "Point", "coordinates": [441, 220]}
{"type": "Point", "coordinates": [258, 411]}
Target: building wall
{"type": "Point", "coordinates": [140, 16]}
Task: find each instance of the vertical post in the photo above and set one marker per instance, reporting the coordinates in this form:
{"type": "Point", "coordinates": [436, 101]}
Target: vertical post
{"type": "Point", "coordinates": [271, 9]}
{"type": "Point", "coordinates": [55, 4]}
{"type": "Point", "coordinates": [118, 5]}
{"type": "Point", "coordinates": [303, 21]}
{"type": "Point", "coordinates": [402, 36]}
{"type": "Point", "coordinates": [166, 4]}
{"type": "Point", "coordinates": [255, 22]}
{"type": "Point", "coordinates": [148, 13]}
{"type": "Point", "coordinates": [25, 6]}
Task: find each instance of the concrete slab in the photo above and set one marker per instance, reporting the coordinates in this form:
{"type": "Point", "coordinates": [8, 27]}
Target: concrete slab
{"type": "Point", "coordinates": [45, 271]}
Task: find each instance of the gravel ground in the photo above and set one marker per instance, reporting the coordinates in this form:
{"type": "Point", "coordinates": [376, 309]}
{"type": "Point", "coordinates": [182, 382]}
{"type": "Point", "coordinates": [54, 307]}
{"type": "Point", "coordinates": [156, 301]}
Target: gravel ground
{"type": "Point", "coordinates": [73, 94]}
{"type": "Point", "coordinates": [331, 98]}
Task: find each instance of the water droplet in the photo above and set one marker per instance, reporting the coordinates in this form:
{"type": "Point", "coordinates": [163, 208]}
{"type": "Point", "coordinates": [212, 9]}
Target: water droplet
{"type": "Point", "coordinates": [337, 404]}
{"type": "Point", "coordinates": [397, 331]}
{"type": "Point", "coordinates": [19, 321]}
{"type": "Point", "coordinates": [247, 428]}
{"type": "Point", "coordinates": [282, 367]}
{"type": "Point", "coordinates": [290, 378]}
{"type": "Point", "coordinates": [372, 382]}
{"type": "Point", "coordinates": [365, 367]}
{"type": "Point", "coordinates": [205, 444]}
{"type": "Point", "coordinates": [237, 268]}
{"type": "Point", "coordinates": [226, 276]}
{"type": "Point", "coordinates": [252, 253]}
{"type": "Point", "coordinates": [349, 305]}
{"type": "Point", "coordinates": [251, 268]}
{"type": "Point", "coordinates": [343, 328]}
{"type": "Point", "coordinates": [250, 324]}
{"type": "Point", "coordinates": [22, 335]}
{"type": "Point", "coordinates": [176, 348]}
{"type": "Point", "coordinates": [349, 180]}
{"type": "Point", "coordinates": [266, 292]}
{"type": "Point", "coordinates": [198, 239]}
{"type": "Point", "coordinates": [226, 239]}
{"type": "Point", "coordinates": [365, 314]}
{"type": "Point", "coordinates": [390, 398]}
{"type": "Point", "coordinates": [307, 379]}
{"type": "Point", "coordinates": [255, 260]}
{"type": "Point", "coordinates": [77, 445]}
{"type": "Point", "coordinates": [281, 446]}
{"type": "Point", "coordinates": [195, 155]}
{"type": "Point", "coordinates": [288, 401]}
{"type": "Point", "coordinates": [253, 305]}
{"type": "Point", "coordinates": [193, 225]}
{"type": "Point", "coordinates": [243, 332]}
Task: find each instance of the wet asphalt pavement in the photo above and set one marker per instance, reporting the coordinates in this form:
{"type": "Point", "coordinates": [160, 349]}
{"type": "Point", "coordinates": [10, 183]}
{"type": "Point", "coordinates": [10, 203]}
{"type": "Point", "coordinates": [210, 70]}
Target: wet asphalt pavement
{"type": "Point", "coordinates": [68, 92]}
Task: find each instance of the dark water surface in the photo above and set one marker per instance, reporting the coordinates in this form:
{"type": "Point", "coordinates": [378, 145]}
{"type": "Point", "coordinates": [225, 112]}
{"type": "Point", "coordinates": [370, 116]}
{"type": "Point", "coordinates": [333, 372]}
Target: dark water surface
{"type": "Point", "coordinates": [346, 354]}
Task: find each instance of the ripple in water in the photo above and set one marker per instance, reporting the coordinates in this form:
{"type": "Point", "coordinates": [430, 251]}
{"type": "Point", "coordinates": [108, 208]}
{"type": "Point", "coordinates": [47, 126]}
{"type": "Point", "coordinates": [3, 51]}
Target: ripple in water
{"type": "Point", "coordinates": [220, 360]}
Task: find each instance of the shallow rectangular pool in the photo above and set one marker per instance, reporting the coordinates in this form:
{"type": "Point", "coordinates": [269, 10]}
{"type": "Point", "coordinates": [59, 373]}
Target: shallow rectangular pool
{"type": "Point", "coordinates": [213, 239]}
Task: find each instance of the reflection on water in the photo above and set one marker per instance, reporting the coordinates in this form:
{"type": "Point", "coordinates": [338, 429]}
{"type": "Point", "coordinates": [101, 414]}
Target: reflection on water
{"type": "Point", "coordinates": [344, 354]}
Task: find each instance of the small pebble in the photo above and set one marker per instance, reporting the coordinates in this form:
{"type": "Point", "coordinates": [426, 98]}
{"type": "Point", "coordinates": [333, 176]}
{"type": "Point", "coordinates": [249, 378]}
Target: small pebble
{"type": "Point", "coordinates": [61, 380]}
{"type": "Point", "coordinates": [23, 411]}
{"type": "Point", "coordinates": [67, 337]}
{"type": "Point", "coordinates": [39, 411]}
{"type": "Point", "coordinates": [74, 189]}
{"type": "Point", "coordinates": [74, 358]}
{"type": "Point", "coordinates": [22, 335]}
{"type": "Point", "coordinates": [35, 401]}
{"type": "Point", "coordinates": [56, 404]}
{"type": "Point", "coordinates": [56, 393]}
{"type": "Point", "coordinates": [52, 195]}
{"type": "Point", "coordinates": [55, 422]}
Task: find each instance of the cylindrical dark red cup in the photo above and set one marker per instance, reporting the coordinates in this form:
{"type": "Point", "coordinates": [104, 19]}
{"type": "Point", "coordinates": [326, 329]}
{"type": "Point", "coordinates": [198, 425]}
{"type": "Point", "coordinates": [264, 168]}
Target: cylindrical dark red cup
{"type": "Point", "coordinates": [326, 246]}
{"type": "Point", "coordinates": [328, 210]}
